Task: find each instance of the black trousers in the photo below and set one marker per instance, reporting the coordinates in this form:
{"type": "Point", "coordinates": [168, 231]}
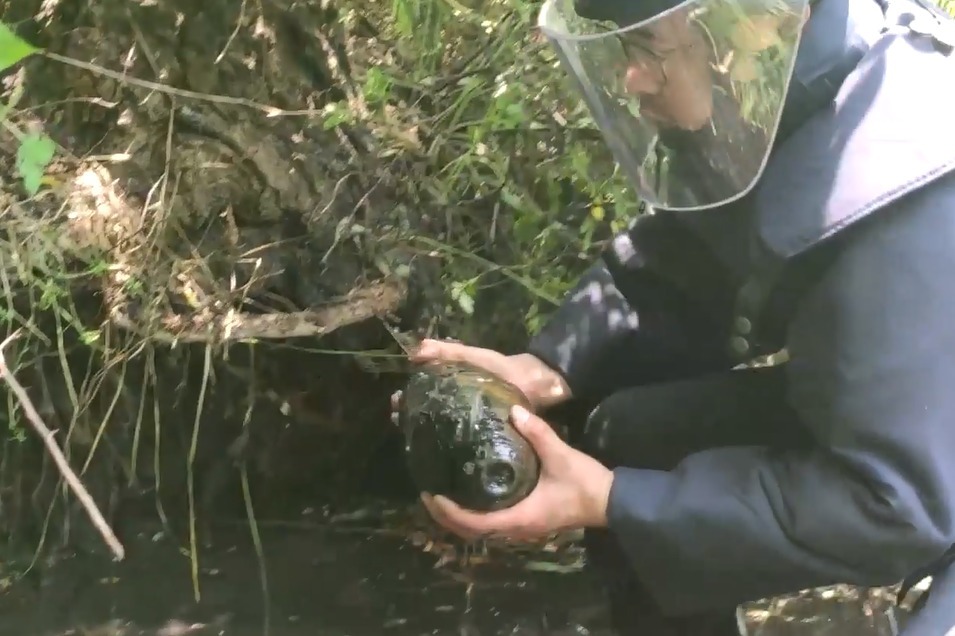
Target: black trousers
{"type": "Point", "coordinates": [654, 427]}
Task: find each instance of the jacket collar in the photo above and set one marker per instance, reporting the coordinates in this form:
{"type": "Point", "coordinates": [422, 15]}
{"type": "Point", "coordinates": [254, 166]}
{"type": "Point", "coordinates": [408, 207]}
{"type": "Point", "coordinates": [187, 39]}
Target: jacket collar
{"type": "Point", "coordinates": [838, 34]}
{"type": "Point", "coordinates": [870, 128]}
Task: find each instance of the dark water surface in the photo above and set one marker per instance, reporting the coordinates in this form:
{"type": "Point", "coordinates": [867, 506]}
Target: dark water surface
{"type": "Point", "coordinates": [335, 579]}
{"type": "Point", "coordinates": [358, 575]}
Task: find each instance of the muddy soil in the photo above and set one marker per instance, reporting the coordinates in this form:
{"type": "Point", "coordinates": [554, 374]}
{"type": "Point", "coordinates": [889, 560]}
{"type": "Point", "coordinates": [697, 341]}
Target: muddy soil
{"type": "Point", "coordinates": [356, 575]}
{"type": "Point", "coordinates": [374, 570]}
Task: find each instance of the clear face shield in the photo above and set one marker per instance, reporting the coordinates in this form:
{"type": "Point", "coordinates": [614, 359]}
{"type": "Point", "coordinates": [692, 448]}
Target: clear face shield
{"type": "Point", "coordinates": [688, 99]}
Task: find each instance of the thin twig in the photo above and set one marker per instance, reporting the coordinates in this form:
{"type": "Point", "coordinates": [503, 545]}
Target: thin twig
{"type": "Point", "coordinates": [270, 111]}
{"type": "Point", "coordinates": [235, 32]}
{"type": "Point", "coordinates": [250, 513]}
{"type": "Point", "coordinates": [190, 474]}
{"type": "Point", "coordinates": [47, 435]}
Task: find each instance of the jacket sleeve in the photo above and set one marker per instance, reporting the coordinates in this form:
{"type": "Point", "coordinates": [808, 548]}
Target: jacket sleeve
{"type": "Point", "coordinates": [622, 325]}
{"type": "Point", "coordinates": [871, 375]}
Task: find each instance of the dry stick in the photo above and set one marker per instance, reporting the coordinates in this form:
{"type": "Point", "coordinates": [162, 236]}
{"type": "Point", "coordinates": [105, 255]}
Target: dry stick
{"type": "Point", "coordinates": [47, 435]}
{"type": "Point", "coordinates": [360, 304]}
{"type": "Point", "coordinates": [270, 111]}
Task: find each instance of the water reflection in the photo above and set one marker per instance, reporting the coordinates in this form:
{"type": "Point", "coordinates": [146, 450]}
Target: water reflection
{"type": "Point", "coordinates": [373, 572]}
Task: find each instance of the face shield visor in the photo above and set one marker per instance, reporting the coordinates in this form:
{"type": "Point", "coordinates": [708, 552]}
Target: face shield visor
{"type": "Point", "coordinates": [688, 97]}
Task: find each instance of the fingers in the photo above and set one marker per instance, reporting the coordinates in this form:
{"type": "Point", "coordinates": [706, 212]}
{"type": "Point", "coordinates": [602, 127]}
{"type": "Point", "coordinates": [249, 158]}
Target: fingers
{"type": "Point", "coordinates": [430, 349]}
{"type": "Point", "coordinates": [437, 507]}
{"type": "Point", "coordinates": [537, 432]}
{"type": "Point", "coordinates": [444, 351]}
{"type": "Point", "coordinates": [396, 406]}
{"type": "Point", "coordinates": [468, 524]}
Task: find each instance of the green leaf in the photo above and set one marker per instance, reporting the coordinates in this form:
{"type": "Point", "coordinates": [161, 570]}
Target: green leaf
{"type": "Point", "coordinates": [460, 294]}
{"type": "Point", "coordinates": [335, 115]}
{"type": "Point", "coordinates": [89, 337]}
{"type": "Point", "coordinates": [377, 85]}
{"type": "Point", "coordinates": [32, 178]}
{"type": "Point", "coordinates": [37, 148]}
{"type": "Point", "coordinates": [12, 48]}
{"type": "Point", "coordinates": [466, 302]}
{"type": "Point", "coordinates": [33, 156]}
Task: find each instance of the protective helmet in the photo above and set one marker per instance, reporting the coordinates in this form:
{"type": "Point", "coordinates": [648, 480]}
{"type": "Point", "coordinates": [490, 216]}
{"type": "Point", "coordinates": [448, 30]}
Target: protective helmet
{"type": "Point", "coordinates": [688, 94]}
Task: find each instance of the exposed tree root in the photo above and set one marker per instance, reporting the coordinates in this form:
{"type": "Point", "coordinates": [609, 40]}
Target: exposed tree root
{"type": "Point", "coordinates": [378, 299]}
{"type": "Point", "coordinates": [96, 517]}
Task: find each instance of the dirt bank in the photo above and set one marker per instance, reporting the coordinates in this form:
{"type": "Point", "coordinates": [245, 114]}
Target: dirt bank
{"type": "Point", "coordinates": [202, 282]}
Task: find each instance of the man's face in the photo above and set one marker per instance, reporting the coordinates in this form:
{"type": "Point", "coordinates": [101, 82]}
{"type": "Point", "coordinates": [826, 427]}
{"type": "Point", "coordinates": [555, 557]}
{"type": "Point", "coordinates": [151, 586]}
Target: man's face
{"type": "Point", "coordinates": [690, 99]}
{"type": "Point", "coordinates": [669, 71]}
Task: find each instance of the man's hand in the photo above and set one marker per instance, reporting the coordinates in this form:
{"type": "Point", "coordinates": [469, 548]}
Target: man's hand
{"type": "Point", "coordinates": [540, 384]}
{"type": "Point", "coordinates": [572, 493]}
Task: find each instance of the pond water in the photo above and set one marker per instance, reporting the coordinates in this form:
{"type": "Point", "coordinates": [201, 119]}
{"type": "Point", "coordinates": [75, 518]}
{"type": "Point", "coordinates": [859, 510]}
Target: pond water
{"type": "Point", "coordinates": [353, 575]}
{"type": "Point", "coordinates": [375, 571]}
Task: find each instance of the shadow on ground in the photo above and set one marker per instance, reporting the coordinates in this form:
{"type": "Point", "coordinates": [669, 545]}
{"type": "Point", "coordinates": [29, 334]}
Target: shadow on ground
{"type": "Point", "coordinates": [323, 578]}
{"type": "Point", "coordinates": [372, 572]}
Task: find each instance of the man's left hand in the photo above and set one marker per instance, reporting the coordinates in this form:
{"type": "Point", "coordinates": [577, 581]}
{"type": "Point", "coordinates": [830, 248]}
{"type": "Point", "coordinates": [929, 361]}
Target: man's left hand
{"type": "Point", "coordinates": [572, 493]}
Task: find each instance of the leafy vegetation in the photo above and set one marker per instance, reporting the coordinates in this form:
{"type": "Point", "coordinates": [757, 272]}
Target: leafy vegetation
{"type": "Point", "coordinates": [36, 149]}
{"type": "Point", "coordinates": [487, 165]}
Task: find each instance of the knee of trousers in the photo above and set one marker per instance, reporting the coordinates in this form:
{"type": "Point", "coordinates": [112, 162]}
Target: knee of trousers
{"type": "Point", "coordinates": [609, 434]}
{"type": "Point", "coordinates": [594, 438]}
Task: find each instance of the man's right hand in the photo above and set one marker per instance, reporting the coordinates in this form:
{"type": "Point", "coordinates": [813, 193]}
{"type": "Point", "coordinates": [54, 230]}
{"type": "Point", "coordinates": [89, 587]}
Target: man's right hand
{"type": "Point", "coordinates": [542, 386]}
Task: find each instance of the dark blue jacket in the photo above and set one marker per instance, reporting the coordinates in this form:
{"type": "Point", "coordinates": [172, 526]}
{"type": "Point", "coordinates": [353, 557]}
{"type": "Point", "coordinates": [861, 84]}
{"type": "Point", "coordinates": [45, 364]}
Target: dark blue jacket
{"type": "Point", "coordinates": [865, 168]}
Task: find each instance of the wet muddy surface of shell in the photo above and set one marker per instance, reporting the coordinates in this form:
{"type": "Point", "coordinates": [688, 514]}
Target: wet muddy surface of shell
{"type": "Point", "coordinates": [460, 442]}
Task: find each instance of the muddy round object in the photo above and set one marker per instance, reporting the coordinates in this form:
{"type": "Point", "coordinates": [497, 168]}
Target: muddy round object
{"type": "Point", "coordinates": [459, 440]}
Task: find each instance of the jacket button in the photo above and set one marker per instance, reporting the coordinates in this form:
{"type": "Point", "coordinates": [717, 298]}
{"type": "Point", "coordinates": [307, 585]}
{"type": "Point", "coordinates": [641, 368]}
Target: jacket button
{"type": "Point", "coordinates": [743, 325]}
{"type": "Point", "coordinates": [739, 344]}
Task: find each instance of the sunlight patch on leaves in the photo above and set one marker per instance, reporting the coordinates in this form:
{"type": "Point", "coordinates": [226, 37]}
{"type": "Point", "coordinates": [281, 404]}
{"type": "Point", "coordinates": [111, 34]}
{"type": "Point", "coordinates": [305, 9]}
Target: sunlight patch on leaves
{"type": "Point", "coordinates": [12, 48]}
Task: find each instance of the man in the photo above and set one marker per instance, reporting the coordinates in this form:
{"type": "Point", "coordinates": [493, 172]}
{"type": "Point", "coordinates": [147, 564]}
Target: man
{"type": "Point", "coordinates": [799, 164]}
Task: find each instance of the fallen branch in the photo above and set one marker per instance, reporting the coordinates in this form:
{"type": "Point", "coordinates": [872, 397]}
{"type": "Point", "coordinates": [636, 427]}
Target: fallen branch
{"type": "Point", "coordinates": [47, 435]}
{"type": "Point", "coordinates": [377, 299]}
